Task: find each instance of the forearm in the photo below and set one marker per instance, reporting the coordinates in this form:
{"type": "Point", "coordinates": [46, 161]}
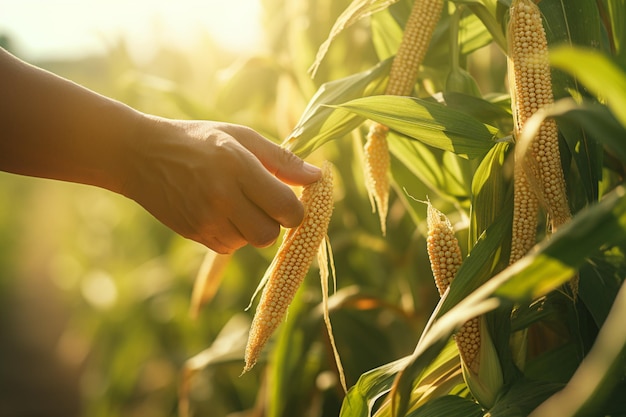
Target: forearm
{"type": "Point", "coordinates": [53, 128]}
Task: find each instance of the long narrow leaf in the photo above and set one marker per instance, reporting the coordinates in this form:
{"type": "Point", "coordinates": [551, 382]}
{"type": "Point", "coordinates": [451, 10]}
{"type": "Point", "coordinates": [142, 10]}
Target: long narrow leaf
{"type": "Point", "coordinates": [321, 123]}
{"type": "Point", "coordinates": [357, 10]}
{"type": "Point", "coordinates": [553, 262]}
{"type": "Point", "coordinates": [431, 123]}
{"type": "Point", "coordinates": [597, 73]}
{"type": "Point", "coordinates": [602, 367]}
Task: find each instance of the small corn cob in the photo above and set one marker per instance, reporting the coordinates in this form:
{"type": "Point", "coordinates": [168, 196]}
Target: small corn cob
{"type": "Point", "coordinates": [443, 249]}
{"type": "Point", "coordinates": [402, 76]}
{"type": "Point", "coordinates": [445, 258]}
{"type": "Point", "coordinates": [291, 263]}
{"type": "Point", "coordinates": [376, 171]}
{"type": "Point", "coordinates": [479, 360]}
{"type": "Point", "coordinates": [531, 84]}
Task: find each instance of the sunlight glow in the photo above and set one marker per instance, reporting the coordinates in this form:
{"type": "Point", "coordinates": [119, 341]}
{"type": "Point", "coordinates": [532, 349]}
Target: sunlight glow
{"type": "Point", "coordinates": [69, 28]}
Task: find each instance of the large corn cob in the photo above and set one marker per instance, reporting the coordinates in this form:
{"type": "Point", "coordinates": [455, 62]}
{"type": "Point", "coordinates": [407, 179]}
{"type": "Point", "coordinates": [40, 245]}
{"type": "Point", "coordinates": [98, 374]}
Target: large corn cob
{"type": "Point", "coordinates": [291, 263]}
{"type": "Point", "coordinates": [402, 76]}
{"type": "Point", "coordinates": [538, 176]}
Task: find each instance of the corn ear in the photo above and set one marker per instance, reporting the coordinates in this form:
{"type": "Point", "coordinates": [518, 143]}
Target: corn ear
{"type": "Point", "coordinates": [376, 153]}
{"type": "Point", "coordinates": [291, 264]}
{"type": "Point", "coordinates": [402, 77]}
{"type": "Point", "coordinates": [479, 360]}
{"type": "Point", "coordinates": [443, 249]}
{"type": "Point", "coordinates": [415, 40]}
{"type": "Point", "coordinates": [531, 84]}
{"type": "Point", "coordinates": [484, 378]}
{"type": "Point", "coordinates": [539, 175]}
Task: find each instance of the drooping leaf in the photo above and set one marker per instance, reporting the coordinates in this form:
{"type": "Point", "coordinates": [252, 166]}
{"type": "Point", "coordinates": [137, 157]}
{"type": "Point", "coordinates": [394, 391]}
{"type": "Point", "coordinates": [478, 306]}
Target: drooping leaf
{"type": "Point", "coordinates": [596, 71]}
{"type": "Point", "coordinates": [321, 123]}
{"type": "Point", "coordinates": [601, 369]}
{"type": "Point", "coordinates": [369, 388]}
{"type": "Point", "coordinates": [556, 260]}
{"type": "Point", "coordinates": [440, 377]}
{"type": "Point", "coordinates": [357, 10]}
{"type": "Point", "coordinates": [431, 123]}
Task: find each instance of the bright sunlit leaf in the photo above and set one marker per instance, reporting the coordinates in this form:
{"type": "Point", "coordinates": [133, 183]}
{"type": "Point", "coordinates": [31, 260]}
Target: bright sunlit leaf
{"type": "Point", "coordinates": [431, 123]}
{"type": "Point", "coordinates": [321, 123]}
{"type": "Point", "coordinates": [357, 10]}
{"type": "Point", "coordinates": [596, 71]}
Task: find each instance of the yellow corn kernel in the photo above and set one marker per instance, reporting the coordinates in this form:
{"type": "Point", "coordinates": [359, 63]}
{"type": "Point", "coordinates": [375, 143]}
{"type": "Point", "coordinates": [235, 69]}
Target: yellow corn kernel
{"type": "Point", "coordinates": [402, 76]}
{"type": "Point", "coordinates": [443, 249]}
{"type": "Point", "coordinates": [531, 89]}
{"type": "Point", "coordinates": [376, 153]}
{"type": "Point", "coordinates": [291, 263]}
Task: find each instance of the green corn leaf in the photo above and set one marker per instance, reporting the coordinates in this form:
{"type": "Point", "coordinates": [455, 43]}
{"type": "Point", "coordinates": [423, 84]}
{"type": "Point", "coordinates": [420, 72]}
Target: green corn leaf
{"type": "Point", "coordinates": [599, 372]}
{"type": "Point", "coordinates": [488, 190]}
{"type": "Point", "coordinates": [442, 172]}
{"type": "Point", "coordinates": [496, 112]}
{"type": "Point", "coordinates": [450, 405]}
{"type": "Point", "coordinates": [617, 16]}
{"type": "Point", "coordinates": [431, 123]}
{"type": "Point", "coordinates": [596, 72]}
{"type": "Point", "coordinates": [488, 20]}
{"type": "Point", "coordinates": [522, 397]}
{"type": "Point", "coordinates": [434, 338]}
{"type": "Point", "coordinates": [483, 258]}
{"type": "Point", "coordinates": [440, 377]}
{"type": "Point", "coordinates": [370, 387]}
{"type": "Point", "coordinates": [555, 261]}
{"type": "Point", "coordinates": [357, 10]}
{"type": "Point", "coordinates": [599, 283]}
{"type": "Point", "coordinates": [321, 123]}
{"type": "Point", "coordinates": [551, 264]}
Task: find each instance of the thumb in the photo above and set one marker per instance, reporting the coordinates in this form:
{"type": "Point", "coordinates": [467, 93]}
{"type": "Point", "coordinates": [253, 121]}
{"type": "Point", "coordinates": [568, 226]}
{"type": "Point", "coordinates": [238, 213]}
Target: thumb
{"type": "Point", "coordinates": [284, 164]}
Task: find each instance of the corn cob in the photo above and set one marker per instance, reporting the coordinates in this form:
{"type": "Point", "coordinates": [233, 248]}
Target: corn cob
{"type": "Point", "coordinates": [291, 263]}
{"type": "Point", "coordinates": [531, 89]}
{"type": "Point", "coordinates": [443, 249]}
{"type": "Point", "coordinates": [376, 166]}
{"type": "Point", "coordinates": [479, 360]}
{"type": "Point", "coordinates": [445, 258]}
{"type": "Point", "coordinates": [402, 76]}
{"type": "Point", "coordinates": [415, 40]}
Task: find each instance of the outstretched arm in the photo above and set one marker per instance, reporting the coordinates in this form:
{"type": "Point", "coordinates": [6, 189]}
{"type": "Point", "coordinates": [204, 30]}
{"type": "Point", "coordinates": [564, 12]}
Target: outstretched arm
{"type": "Point", "coordinates": [220, 184]}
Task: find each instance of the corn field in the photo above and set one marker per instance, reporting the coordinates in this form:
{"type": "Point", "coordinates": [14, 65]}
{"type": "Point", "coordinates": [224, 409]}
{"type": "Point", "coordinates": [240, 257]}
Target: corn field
{"type": "Point", "coordinates": [475, 268]}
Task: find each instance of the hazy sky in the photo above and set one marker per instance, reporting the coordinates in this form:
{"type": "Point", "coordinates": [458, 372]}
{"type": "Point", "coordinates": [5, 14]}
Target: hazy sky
{"type": "Point", "coordinates": [54, 28]}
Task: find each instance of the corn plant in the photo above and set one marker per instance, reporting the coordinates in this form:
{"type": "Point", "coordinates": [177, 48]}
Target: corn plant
{"type": "Point", "coordinates": [541, 341]}
{"type": "Point", "coordinates": [524, 178]}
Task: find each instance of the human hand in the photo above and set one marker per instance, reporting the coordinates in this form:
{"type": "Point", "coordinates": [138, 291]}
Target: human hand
{"type": "Point", "coordinates": [219, 184]}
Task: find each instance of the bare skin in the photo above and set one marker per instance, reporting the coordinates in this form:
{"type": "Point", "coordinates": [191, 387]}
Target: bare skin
{"type": "Point", "coordinates": [220, 184]}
